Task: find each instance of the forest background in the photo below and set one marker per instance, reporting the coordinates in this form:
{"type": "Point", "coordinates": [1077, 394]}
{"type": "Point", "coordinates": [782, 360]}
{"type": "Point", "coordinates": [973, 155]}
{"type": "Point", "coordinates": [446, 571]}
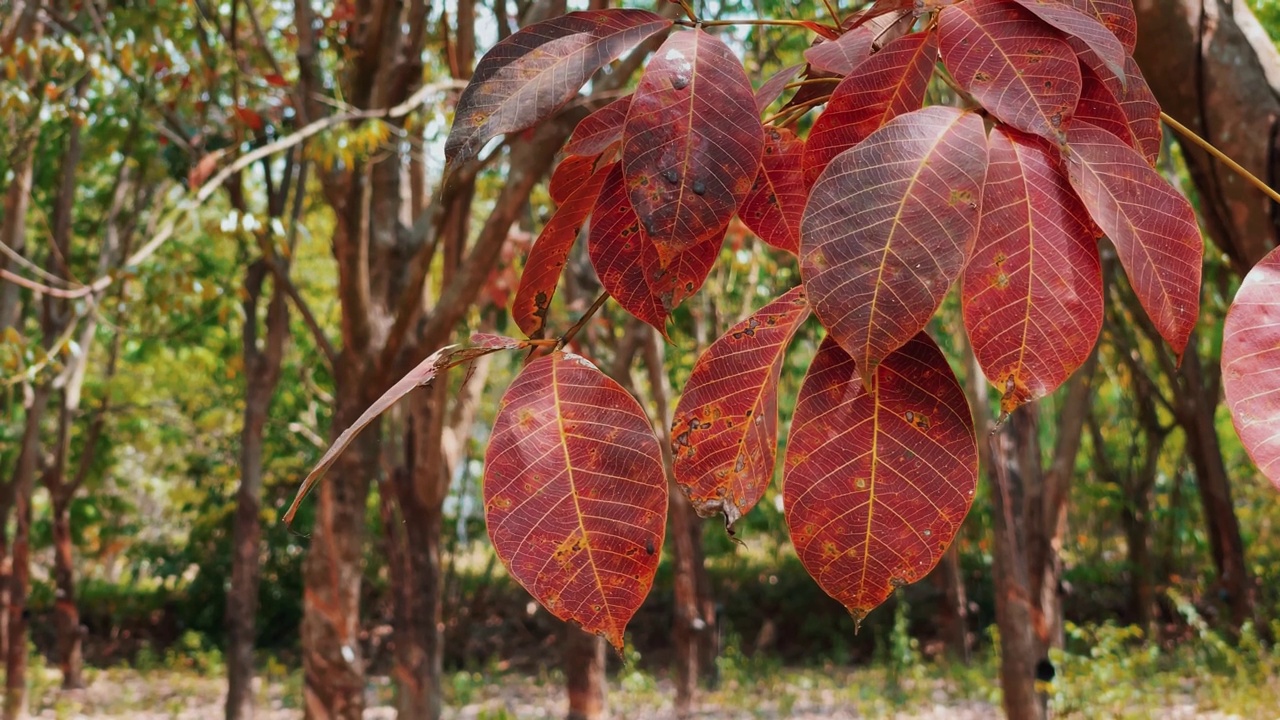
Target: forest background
{"type": "Point", "coordinates": [197, 292]}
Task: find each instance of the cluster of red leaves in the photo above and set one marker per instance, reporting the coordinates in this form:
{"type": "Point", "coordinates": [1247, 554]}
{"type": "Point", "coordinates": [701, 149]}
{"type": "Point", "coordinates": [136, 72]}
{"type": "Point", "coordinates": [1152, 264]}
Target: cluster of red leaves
{"type": "Point", "coordinates": [886, 204]}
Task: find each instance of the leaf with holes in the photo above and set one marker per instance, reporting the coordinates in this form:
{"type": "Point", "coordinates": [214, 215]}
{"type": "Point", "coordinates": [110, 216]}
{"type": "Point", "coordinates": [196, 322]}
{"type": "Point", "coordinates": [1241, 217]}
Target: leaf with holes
{"type": "Point", "coordinates": [569, 175]}
{"type": "Point", "coordinates": [1251, 364]}
{"type": "Point", "coordinates": [525, 78]}
{"type": "Point", "coordinates": [876, 484]}
{"type": "Point", "coordinates": [886, 85]}
{"type": "Point", "coordinates": [1085, 27]}
{"type": "Point", "coordinates": [775, 204]}
{"type": "Point", "coordinates": [1152, 226]}
{"type": "Point", "coordinates": [725, 435]}
{"type": "Point", "coordinates": [437, 362]}
{"type": "Point", "coordinates": [550, 252]}
{"type": "Point", "coordinates": [600, 129]}
{"type": "Point", "coordinates": [575, 495]}
{"type": "Point", "coordinates": [627, 261]}
{"type": "Point", "coordinates": [1022, 71]}
{"type": "Point", "coordinates": [1032, 291]}
{"type": "Point", "coordinates": [1129, 111]}
{"type": "Point", "coordinates": [692, 142]}
{"type": "Point", "coordinates": [1118, 17]}
{"type": "Point", "coordinates": [889, 226]}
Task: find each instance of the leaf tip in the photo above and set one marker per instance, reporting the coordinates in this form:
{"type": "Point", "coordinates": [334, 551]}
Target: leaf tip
{"type": "Point", "coordinates": [858, 615]}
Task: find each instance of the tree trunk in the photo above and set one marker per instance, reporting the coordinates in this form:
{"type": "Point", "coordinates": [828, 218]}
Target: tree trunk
{"type": "Point", "coordinates": [1213, 68]}
{"type": "Point", "coordinates": [262, 372]}
{"type": "Point", "coordinates": [953, 605]}
{"type": "Point", "coordinates": [66, 612]}
{"type": "Point", "coordinates": [584, 657]}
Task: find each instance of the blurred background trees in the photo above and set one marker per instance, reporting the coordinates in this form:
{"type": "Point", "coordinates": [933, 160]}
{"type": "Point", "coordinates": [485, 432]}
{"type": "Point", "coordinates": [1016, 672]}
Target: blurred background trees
{"type": "Point", "coordinates": [182, 331]}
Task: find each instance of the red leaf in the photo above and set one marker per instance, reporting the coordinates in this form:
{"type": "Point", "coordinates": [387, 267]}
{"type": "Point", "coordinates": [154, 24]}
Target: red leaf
{"type": "Point", "coordinates": [550, 253]}
{"type": "Point", "coordinates": [726, 424]}
{"type": "Point", "coordinates": [773, 88]}
{"type": "Point", "coordinates": [1129, 111]}
{"type": "Point", "coordinates": [1116, 15]}
{"type": "Point", "coordinates": [570, 174]}
{"type": "Point", "coordinates": [842, 55]}
{"type": "Point", "coordinates": [775, 204]}
{"type": "Point", "coordinates": [887, 84]}
{"type": "Point", "coordinates": [575, 496]}
{"type": "Point", "coordinates": [426, 371]}
{"type": "Point", "coordinates": [1033, 288]}
{"type": "Point", "coordinates": [525, 78]}
{"type": "Point", "coordinates": [627, 261]}
{"type": "Point", "coordinates": [1152, 226]}
{"type": "Point", "coordinates": [888, 228]}
{"type": "Point", "coordinates": [692, 142]}
{"type": "Point", "coordinates": [876, 484]}
{"type": "Point", "coordinates": [250, 118]}
{"type": "Point", "coordinates": [1251, 364]}
{"type": "Point", "coordinates": [1084, 26]}
{"type": "Point", "coordinates": [1021, 71]}
{"type": "Point", "coordinates": [275, 80]}
{"type": "Point", "coordinates": [600, 129]}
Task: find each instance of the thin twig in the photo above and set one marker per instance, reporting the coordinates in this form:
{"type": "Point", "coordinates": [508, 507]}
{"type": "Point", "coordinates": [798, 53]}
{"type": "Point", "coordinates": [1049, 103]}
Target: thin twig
{"type": "Point", "coordinates": [582, 321]}
{"type": "Point", "coordinates": [1222, 157]}
{"type": "Point", "coordinates": [834, 15]}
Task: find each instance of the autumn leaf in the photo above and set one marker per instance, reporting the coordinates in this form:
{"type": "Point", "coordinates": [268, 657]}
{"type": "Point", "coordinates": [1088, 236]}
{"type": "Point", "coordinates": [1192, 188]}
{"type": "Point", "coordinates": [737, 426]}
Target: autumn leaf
{"type": "Point", "coordinates": [1085, 27]}
{"type": "Point", "coordinates": [1152, 226]}
{"type": "Point", "coordinates": [1022, 71]}
{"type": "Point", "coordinates": [1118, 17]}
{"type": "Point", "coordinates": [692, 142]}
{"type": "Point", "coordinates": [525, 78]}
{"type": "Point", "coordinates": [1129, 111]}
{"type": "Point", "coordinates": [1032, 291]}
{"type": "Point", "coordinates": [725, 435]}
{"type": "Point", "coordinates": [889, 226]}
{"type": "Point", "coordinates": [1251, 365]}
{"type": "Point", "coordinates": [888, 84]}
{"type": "Point", "coordinates": [575, 494]}
{"type": "Point", "coordinates": [628, 264]}
{"type": "Point", "coordinates": [569, 175]}
{"type": "Point", "coordinates": [773, 88]}
{"type": "Point", "coordinates": [600, 129]}
{"type": "Point", "coordinates": [876, 484]}
{"type": "Point", "coordinates": [773, 208]}
{"type": "Point", "coordinates": [550, 253]}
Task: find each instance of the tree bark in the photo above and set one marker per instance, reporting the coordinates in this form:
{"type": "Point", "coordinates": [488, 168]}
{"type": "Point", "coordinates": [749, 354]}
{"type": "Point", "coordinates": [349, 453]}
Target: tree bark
{"type": "Point", "coordinates": [262, 373]}
{"type": "Point", "coordinates": [584, 658]}
{"type": "Point", "coordinates": [953, 605]}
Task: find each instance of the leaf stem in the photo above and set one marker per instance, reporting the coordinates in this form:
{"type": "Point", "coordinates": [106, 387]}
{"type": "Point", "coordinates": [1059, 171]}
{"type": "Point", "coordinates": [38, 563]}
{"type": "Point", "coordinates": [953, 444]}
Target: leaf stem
{"type": "Point", "coordinates": [573, 331]}
{"type": "Point", "coordinates": [811, 81]}
{"type": "Point", "coordinates": [802, 108]}
{"type": "Point", "coordinates": [1222, 157]}
{"type": "Point", "coordinates": [688, 10]}
{"type": "Point", "coordinates": [834, 15]}
{"type": "Point", "coordinates": [781, 22]}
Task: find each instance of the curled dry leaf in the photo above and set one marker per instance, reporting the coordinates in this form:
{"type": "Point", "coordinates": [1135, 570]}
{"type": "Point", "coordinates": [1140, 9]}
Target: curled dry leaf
{"type": "Point", "coordinates": [876, 484]}
{"type": "Point", "coordinates": [725, 435]}
{"type": "Point", "coordinates": [575, 494]}
{"type": "Point", "coordinates": [1251, 365]}
{"type": "Point", "coordinates": [426, 371]}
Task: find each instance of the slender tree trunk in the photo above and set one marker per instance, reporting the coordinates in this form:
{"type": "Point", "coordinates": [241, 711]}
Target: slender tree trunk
{"type": "Point", "coordinates": [66, 612]}
{"type": "Point", "coordinates": [584, 658]}
{"type": "Point", "coordinates": [953, 605]}
{"type": "Point", "coordinates": [262, 370]}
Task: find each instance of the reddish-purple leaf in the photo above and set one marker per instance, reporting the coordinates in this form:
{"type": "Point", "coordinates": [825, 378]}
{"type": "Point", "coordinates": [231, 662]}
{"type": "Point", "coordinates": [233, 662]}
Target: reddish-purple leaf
{"type": "Point", "coordinates": [773, 88]}
{"type": "Point", "coordinates": [525, 78]}
{"type": "Point", "coordinates": [426, 371]}
{"type": "Point", "coordinates": [570, 174]}
{"type": "Point", "coordinates": [627, 261]}
{"type": "Point", "coordinates": [1032, 291]}
{"type": "Point", "coordinates": [1152, 226]}
{"type": "Point", "coordinates": [725, 435]}
{"type": "Point", "coordinates": [1019, 69]}
{"type": "Point", "coordinates": [886, 85]}
{"type": "Point", "coordinates": [550, 252]}
{"type": "Point", "coordinates": [1116, 15]}
{"type": "Point", "coordinates": [1084, 26]}
{"type": "Point", "coordinates": [876, 484]}
{"type": "Point", "coordinates": [1129, 111]}
{"type": "Point", "coordinates": [775, 204]}
{"type": "Point", "coordinates": [691, 146]}
{"type": "Point", "coordinates": [600, 129]}
{"type": "Point", "coordinates": [888, 227]}
{"type": "Point", "coordinates": [842, 55]}
{"type": "Point", "coordinates": [1251, 364]}
{"type": "Point", "coordinates": [575, 496]}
